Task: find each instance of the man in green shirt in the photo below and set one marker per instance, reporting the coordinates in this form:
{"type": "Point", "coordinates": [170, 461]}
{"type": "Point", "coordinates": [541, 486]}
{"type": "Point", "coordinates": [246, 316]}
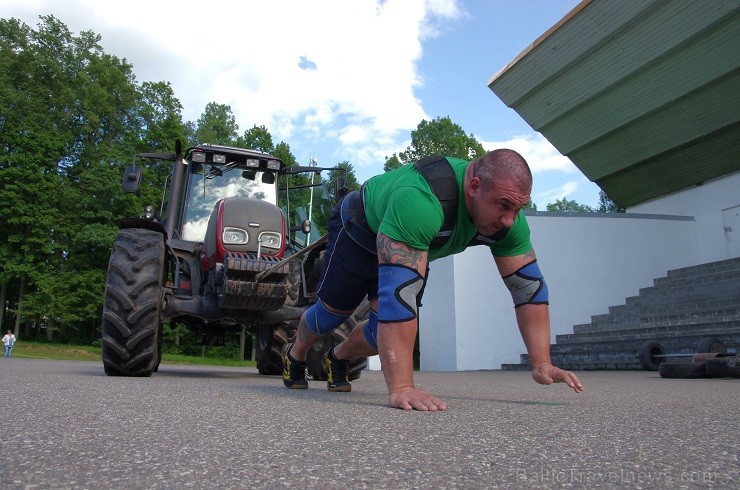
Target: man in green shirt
{"type": "Point", "coordinates": [381, 240]}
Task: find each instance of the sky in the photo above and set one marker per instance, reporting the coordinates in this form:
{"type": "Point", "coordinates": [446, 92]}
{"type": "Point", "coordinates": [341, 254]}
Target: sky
{"type": "Point", "coordinates": [338, 80]}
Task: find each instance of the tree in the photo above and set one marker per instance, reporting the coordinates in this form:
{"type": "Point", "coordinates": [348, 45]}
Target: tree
{"type": "Point", "coordinates": [160, 114]}
{"type": "Point", "coordinates": [564, 205]}
{"type": "Point", "coordinates": [282, 151]}
{"type": "Point", "coordinates": [443, 137]}
{"type": "Point", "coordinates": [606, 205]}
{"type": "Point", "coordinates": [217, 125]}
{"type": "Point", "coordinates": [46, 123]}
{"type": "Point", "coordinates": [392, 163]}
{"type": "Point", "coordinates": [69, 113]}
{"type": "Point", "coordinates": [257, 138]}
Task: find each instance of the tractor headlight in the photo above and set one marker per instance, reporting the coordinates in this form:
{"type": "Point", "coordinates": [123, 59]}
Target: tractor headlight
{"type": "Point", "coordinates": [234, 236]}
{"type": "Point", "coordinates": [270, 239]}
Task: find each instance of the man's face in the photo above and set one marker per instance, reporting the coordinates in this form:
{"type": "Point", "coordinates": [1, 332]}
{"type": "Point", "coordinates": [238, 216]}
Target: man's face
{"type": "Point", "coordinates": [496, 207]}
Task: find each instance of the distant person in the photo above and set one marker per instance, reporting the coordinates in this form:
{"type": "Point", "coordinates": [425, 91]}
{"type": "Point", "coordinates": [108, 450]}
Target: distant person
{"type": "Point", "coordinates": [381, 239]}
{"type": "Point", "coordinates": [8, 342]}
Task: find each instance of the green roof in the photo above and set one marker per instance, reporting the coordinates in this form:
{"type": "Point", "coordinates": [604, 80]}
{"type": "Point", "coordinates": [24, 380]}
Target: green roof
{"type": "Point", "coordinates": [642, 95]}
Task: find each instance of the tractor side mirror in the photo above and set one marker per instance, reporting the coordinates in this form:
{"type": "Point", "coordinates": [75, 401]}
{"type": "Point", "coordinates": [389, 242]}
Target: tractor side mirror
{"type": "Point", "coordinates": [305, 227]}
{"type": "Point", "coordinates": [131, 178]}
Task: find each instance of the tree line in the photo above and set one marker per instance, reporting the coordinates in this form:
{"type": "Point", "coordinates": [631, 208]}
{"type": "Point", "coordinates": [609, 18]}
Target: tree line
{"type": "Point", "coordinates": [71, 118]}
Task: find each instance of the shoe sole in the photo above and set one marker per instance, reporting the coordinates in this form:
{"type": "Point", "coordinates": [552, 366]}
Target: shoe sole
{"type": "Point", "coordinates": [339, 389]}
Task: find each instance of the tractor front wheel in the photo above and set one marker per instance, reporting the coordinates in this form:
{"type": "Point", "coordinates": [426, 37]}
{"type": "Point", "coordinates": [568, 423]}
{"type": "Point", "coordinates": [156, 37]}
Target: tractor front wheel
{"type": "Point", "coordinates": [133, 303]}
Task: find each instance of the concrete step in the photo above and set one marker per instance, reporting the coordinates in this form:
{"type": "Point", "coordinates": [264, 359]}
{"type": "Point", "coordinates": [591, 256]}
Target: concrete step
{"type": "Point", "coordinates": [582, 366]}
{"type": "Point", "coordinates": [721, 272]}
{"type": "Point", "coordinates": [708, 268]}
{"type": "Point", "coordinates": [668, 315]}
{"type": "Point", "coordinates": [680, 323]}
{"type": "Point", "coordinates": [686, 342]}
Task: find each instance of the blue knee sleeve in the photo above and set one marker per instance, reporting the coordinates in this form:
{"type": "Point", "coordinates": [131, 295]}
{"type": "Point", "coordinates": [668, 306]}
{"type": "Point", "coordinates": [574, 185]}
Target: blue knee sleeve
{"type": "Point", "coordinates": [371, 329]}
{"type": "Point", "coordinates": [320, 320]}
{"type": "Point", "coordinates": [399, 291]}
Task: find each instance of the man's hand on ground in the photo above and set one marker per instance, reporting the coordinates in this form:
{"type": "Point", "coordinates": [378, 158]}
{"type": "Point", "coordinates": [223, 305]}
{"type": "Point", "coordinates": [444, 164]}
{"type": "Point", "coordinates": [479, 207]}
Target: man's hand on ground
{"type": "Point", "coordinates": [414, 399]}
{"type": "Point", "coordinates": [545, 374]}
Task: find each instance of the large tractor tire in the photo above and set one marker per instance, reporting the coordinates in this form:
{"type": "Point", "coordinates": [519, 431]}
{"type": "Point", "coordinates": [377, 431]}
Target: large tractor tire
{"type": "Point", "coordinates": [133, 303]}
{"type": "Point", "coordinates": [270, 341]}
{"type": "Point", "coordinates": [271, 338]}
{"type": "Point", "coordinates": [315, 360]}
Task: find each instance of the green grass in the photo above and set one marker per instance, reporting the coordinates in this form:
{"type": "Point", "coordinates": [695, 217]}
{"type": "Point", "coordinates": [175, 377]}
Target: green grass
{"type": "Point", "coordinates": [39, 350]}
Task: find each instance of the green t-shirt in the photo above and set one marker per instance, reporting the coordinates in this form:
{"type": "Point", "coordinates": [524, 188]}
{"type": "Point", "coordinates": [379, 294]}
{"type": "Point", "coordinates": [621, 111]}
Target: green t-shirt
{"type": "Point", "coordinates": [401, 205]}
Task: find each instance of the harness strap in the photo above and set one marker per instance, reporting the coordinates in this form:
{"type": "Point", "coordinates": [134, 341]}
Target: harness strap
{"type": "Point", "coordinates": [438, 173]}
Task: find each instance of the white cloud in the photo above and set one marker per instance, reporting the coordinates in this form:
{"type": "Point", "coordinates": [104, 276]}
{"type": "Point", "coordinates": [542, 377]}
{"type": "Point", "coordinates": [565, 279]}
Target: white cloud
{"type": "Point", "coordinates": [552, 195]}
{"type": "Point", "coordinates": [538, 151]}
{"type": "Point", "coordinates": [334, 70]}
{"type": "Point", "coordinates": [553, 172]}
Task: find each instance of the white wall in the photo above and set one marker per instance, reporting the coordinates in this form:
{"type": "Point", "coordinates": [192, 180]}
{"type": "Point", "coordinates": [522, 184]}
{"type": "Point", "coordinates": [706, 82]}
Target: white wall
{"type": "Point", "coordinates": [705, 203]}
{"type": "Point", "coordinates": [590, 262]}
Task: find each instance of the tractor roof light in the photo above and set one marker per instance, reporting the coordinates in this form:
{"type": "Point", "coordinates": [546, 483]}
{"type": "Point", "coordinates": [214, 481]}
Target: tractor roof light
{"type": "Point", "coordinates": [273, 164]}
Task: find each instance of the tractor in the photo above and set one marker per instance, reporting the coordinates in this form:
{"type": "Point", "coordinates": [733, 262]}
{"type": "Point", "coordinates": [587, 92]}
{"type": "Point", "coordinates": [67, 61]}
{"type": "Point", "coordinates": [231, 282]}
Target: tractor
{"type": "Point", "coordinates": [222, 256]}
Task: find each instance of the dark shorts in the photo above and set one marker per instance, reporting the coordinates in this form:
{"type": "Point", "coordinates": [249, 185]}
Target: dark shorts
{"type": "Point", "coordinates": [350, 271]}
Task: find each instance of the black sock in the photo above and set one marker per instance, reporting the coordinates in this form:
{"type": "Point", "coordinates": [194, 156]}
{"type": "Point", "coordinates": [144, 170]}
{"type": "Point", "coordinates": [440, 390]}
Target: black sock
{"type": "Point", "coordinates": [331, 353]}
{"type": "Point", "coordinates": [290, 356]}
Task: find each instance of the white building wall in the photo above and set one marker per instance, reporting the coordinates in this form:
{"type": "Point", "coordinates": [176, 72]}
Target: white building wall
{"type": "Point", "coordinates": [706, 203]}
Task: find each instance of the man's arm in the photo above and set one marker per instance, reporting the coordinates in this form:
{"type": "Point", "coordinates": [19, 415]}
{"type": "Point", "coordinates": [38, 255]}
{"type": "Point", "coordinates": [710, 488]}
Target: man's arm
{"type": "Point", "coordinates": [396, 339]}
{"type": "Point", "coordinates": [534, 325]}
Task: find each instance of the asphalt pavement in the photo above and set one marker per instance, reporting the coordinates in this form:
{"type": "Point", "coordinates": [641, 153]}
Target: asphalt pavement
{"type": "Point", "coordinates": [67, 425]}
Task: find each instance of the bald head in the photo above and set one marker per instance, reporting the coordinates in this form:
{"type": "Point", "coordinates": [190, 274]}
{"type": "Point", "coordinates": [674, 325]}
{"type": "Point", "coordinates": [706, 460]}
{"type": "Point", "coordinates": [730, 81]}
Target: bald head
{"type": "Point", "coordinates": [500, 165]}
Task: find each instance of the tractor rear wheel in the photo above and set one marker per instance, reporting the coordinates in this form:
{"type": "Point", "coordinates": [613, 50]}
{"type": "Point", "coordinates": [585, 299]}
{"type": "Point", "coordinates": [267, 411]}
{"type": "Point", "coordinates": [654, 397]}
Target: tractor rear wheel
{"type": "Point", "coordinates": [133, 303]}
{"type": "Point", "coordinates": [270, 341]}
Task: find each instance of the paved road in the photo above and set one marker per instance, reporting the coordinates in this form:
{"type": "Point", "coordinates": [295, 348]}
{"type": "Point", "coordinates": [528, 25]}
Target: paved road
{"type": "Point", "coordinates": [67, 425]}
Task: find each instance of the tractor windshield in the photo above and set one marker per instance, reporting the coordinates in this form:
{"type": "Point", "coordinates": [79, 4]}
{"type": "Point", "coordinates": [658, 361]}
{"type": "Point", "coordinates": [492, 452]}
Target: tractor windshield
{"type": "Point", "coordinates": [207, 184]}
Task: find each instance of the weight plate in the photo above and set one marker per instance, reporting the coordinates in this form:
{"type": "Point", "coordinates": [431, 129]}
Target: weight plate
{"type": "Point", "coordinates": [711, 344]}
{"type": "Point", "coordinates": [647, 354]}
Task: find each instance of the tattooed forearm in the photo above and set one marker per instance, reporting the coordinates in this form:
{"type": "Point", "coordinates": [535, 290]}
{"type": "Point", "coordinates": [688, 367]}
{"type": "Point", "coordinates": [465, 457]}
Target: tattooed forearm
{"type": "Point", "coordinates": [393, 252]}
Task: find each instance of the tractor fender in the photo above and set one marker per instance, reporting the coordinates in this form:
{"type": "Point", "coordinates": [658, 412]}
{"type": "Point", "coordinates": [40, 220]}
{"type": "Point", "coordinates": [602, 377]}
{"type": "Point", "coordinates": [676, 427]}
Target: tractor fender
{"type": "Point", "coordinates": [146, 224]}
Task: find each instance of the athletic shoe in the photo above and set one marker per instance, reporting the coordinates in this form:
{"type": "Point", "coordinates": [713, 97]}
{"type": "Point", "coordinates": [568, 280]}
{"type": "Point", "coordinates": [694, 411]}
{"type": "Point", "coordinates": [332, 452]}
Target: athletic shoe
{"type": "Point", "coordinates": [337, 373]}
{"type": "Point", "coordinates": [294, 372]}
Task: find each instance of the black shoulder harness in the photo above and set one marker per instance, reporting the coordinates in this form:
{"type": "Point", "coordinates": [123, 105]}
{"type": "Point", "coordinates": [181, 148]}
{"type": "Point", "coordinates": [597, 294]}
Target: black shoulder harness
{"type": "Point", "coordinates": [441, 178]}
